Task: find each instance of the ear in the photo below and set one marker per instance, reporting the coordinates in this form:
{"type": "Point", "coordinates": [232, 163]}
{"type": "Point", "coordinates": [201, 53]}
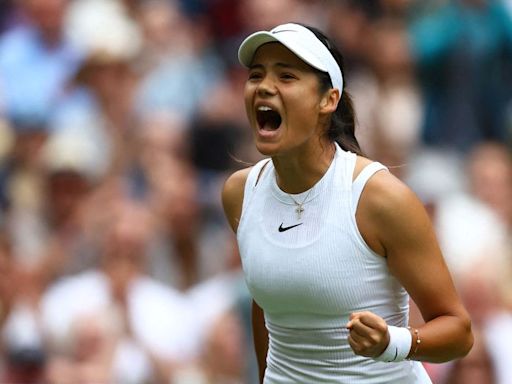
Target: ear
{"type": "Point", "coordinates": [330, 101]}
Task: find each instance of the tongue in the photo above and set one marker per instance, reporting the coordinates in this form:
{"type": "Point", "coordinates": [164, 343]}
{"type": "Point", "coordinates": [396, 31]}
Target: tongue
{"type": "Point", "coordinates": [269, 120]}
{"type": "Point", "coordinates": [269, 126]}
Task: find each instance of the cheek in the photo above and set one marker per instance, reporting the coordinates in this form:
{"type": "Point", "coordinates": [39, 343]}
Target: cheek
{"type": "Point", "coordinates": [248, 100]}
{"type": "Point", "coordinates": [303, 109]}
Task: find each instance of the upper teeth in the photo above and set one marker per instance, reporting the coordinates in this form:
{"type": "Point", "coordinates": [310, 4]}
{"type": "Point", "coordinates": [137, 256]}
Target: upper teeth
{"type": "Point", "coordinates": [264, 108]}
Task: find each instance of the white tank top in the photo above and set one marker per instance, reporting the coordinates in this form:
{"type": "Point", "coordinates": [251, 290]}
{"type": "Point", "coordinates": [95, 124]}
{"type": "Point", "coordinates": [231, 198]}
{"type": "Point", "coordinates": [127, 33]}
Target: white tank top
{"type": "Point", "coordinates": [310, 274]}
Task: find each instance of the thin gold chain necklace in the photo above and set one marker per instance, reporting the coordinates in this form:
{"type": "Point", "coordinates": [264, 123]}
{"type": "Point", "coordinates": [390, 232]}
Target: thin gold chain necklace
{"type": "Point", "coordinates": [299, 207]}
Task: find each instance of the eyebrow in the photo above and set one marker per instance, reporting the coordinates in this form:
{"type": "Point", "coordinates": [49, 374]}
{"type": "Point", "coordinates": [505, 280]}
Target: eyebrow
{"type": "Point", "coordinates": [280, 65]}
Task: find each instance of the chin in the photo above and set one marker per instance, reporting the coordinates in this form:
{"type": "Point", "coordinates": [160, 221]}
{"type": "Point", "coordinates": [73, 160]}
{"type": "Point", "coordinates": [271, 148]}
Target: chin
{"type": "Point", "coordinates": [267, 149]}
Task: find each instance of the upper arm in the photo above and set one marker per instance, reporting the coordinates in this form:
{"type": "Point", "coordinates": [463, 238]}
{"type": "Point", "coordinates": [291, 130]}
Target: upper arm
{"type": "Point", "coordinates": [396, 221]}
{"type": "Point", "coordinates": [233, 196]}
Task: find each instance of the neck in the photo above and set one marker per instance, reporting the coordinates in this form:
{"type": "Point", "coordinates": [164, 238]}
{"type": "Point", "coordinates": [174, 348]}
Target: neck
{"type": "Point", "coordinates": [301, 170]}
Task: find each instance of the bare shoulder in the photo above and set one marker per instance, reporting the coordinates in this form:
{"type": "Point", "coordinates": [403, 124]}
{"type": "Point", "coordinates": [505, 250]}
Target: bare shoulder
{"type": "Point", "coordinates": [385, 192]}
{"type": "Point", "coordinates": [389, 212]}
{"type": "Point", "coordinates": [233, 196]}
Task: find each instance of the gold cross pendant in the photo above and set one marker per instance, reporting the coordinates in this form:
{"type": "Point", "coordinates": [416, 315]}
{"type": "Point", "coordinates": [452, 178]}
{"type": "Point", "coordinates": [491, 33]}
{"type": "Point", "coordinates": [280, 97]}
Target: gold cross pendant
{"type": "Point", "coordinates": [299, 211]}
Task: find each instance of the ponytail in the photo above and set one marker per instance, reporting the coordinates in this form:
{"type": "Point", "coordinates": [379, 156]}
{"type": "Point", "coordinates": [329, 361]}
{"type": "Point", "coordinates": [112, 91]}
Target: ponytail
{"type": "Point", "coordinates": [343, 125]}
{"type": "Point", "coordinates": [343, 122]}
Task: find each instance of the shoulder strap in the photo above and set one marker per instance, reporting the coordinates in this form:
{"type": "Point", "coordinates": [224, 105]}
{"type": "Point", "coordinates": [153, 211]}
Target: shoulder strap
{"type": "Point", "coordinates": [252, 180]}
{"type": "Point", "coordinates": [361, 180]}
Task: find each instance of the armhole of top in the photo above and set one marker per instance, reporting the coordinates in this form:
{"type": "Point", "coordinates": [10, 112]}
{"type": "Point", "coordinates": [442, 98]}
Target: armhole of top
{"type": "Point", "coordinates": [261, 172]}
{"type": "Point", "coordinates": [360, 181]}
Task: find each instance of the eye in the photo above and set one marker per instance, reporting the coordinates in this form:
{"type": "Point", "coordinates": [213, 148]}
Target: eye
{"type": "Point", "coordinates": [288, 76]}
{"type": "Point", "coordinates": [255, 75]}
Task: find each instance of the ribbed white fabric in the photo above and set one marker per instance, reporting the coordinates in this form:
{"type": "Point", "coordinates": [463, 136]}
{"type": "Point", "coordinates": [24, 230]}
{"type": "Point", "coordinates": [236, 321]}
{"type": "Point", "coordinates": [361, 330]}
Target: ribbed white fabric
{"type": "Point", "coordinates": [309, 278]}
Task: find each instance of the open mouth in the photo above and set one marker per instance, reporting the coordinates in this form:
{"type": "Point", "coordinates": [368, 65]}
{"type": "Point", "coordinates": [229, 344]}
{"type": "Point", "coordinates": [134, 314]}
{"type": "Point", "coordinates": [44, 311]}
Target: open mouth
{"type": "Point", "coordinates": [268, 119]}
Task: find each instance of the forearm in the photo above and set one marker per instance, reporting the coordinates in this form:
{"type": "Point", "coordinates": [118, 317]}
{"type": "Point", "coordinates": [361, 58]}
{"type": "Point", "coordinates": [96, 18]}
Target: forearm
{"type": "Point", "coordinates": [442, 339]}
{"type": "Point", "coordinates": [260, 336]}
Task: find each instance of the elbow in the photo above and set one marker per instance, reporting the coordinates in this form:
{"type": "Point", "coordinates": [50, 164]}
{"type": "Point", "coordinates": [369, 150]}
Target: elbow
{"type": "Point", "coordinates": [461, 343]}
{"type": "Point", "coordinates": [467, 338]}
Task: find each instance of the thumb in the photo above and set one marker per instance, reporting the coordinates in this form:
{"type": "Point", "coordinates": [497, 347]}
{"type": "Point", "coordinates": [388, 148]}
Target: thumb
{"type": "Point", "coordinates": [353, 317]}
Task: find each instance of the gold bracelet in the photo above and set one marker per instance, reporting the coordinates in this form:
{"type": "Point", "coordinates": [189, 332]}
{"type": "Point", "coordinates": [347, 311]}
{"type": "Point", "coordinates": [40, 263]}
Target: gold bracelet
{"type": "Point", "coordinates": [415, 332]}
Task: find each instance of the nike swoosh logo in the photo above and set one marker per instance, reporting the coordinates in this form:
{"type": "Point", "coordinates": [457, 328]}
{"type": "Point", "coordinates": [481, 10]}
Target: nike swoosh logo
{"type": "Point", "coordinates": [283, 229]}
{"type": "Point", "coordinates": [283, 30]}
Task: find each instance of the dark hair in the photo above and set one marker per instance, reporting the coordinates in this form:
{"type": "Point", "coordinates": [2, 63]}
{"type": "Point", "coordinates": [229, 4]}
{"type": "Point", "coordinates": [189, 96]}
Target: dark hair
{"type": "Point", "coordinates": [343, 124]}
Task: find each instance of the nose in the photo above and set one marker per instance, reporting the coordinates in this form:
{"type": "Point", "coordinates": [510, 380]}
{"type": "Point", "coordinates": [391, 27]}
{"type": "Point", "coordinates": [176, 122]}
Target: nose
{"type": "Point", "coordinates": [266, 87]}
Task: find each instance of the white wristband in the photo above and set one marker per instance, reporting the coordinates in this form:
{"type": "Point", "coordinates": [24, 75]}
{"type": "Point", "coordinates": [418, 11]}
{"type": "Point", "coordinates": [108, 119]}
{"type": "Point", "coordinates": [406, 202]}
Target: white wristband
{"type": "Point", "coordinates": [400, 340]}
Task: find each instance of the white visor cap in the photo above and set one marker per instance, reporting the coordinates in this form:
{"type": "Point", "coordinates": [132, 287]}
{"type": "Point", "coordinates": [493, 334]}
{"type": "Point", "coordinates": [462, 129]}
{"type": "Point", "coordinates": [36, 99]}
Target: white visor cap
{"type": "Point", "coordinates": [302, 42]}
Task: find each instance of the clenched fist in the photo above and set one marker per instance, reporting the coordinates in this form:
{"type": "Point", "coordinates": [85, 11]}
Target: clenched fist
{"type": "Point", "coordinates": [368, 335]}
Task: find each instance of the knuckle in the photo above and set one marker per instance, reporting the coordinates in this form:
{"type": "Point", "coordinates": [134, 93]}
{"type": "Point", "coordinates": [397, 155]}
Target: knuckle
{"type": "Point", "coordinates": [363, 315]}
{"type": "Point", "coordinates": [383, 327]}
{"type": "Point", "coordinates": [375, 338]}
{"type": "Point", "coordinates": [366, 343]}
{"type": "Point", "coordinates": [355, 347]}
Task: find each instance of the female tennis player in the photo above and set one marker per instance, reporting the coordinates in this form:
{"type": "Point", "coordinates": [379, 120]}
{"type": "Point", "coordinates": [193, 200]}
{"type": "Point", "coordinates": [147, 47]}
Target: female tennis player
{"type": "Point", "coordinates": [331, 243]}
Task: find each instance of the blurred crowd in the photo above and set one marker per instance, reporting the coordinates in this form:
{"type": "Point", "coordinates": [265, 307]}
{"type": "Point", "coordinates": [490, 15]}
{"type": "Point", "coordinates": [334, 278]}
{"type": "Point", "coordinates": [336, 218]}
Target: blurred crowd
{"type": "Point", "coordinates": [119, 122]}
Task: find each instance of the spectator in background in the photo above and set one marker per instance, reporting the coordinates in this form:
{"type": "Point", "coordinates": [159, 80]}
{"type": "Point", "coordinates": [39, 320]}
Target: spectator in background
{"type": "Point", "coordinates": [22, 356]}
{"type": "Point", "coordinates": [490, 178]}
{"type": "Point", "coordinates": [470, 232]}
{"type": "Point", "coordinates": [7, 139]}
{"type": "Point", "coordinates": [222, 356]}
{"type": "Point", "coordinates": [156, 327]}
{"type": "Point", "coordinates": [179, 64]}
{"type": "Point", "coordinates": [72, 171]}
{"type": "Point", "coordinates": [386, 95]}
{"type": "Point", "coordinates": [24, 185]}
{"type": "Point", "coordinates": [36, 61]}
{"type": "Point", "coordinates": [349, 23]}
{"type": "Point", "coordinates": [20, 168]}
{"type": "Point", "coordinates": [162, 176]}
{"type": "Point", "coordinates": [7, 287]}
{"type": "Point", "coordinates": [94, 342]}
{"type": "Point", "coordinates": [47, 224]}
{"type": "Point", "coordinates": [100, 103]}
{"type": "Point", "coordinates": [166, 32]}
{"type": "Point", "coordinates": [462, 51]}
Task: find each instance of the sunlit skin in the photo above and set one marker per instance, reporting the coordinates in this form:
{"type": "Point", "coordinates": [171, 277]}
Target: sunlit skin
{"type": "Point", "coordinates": [280, 80]}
